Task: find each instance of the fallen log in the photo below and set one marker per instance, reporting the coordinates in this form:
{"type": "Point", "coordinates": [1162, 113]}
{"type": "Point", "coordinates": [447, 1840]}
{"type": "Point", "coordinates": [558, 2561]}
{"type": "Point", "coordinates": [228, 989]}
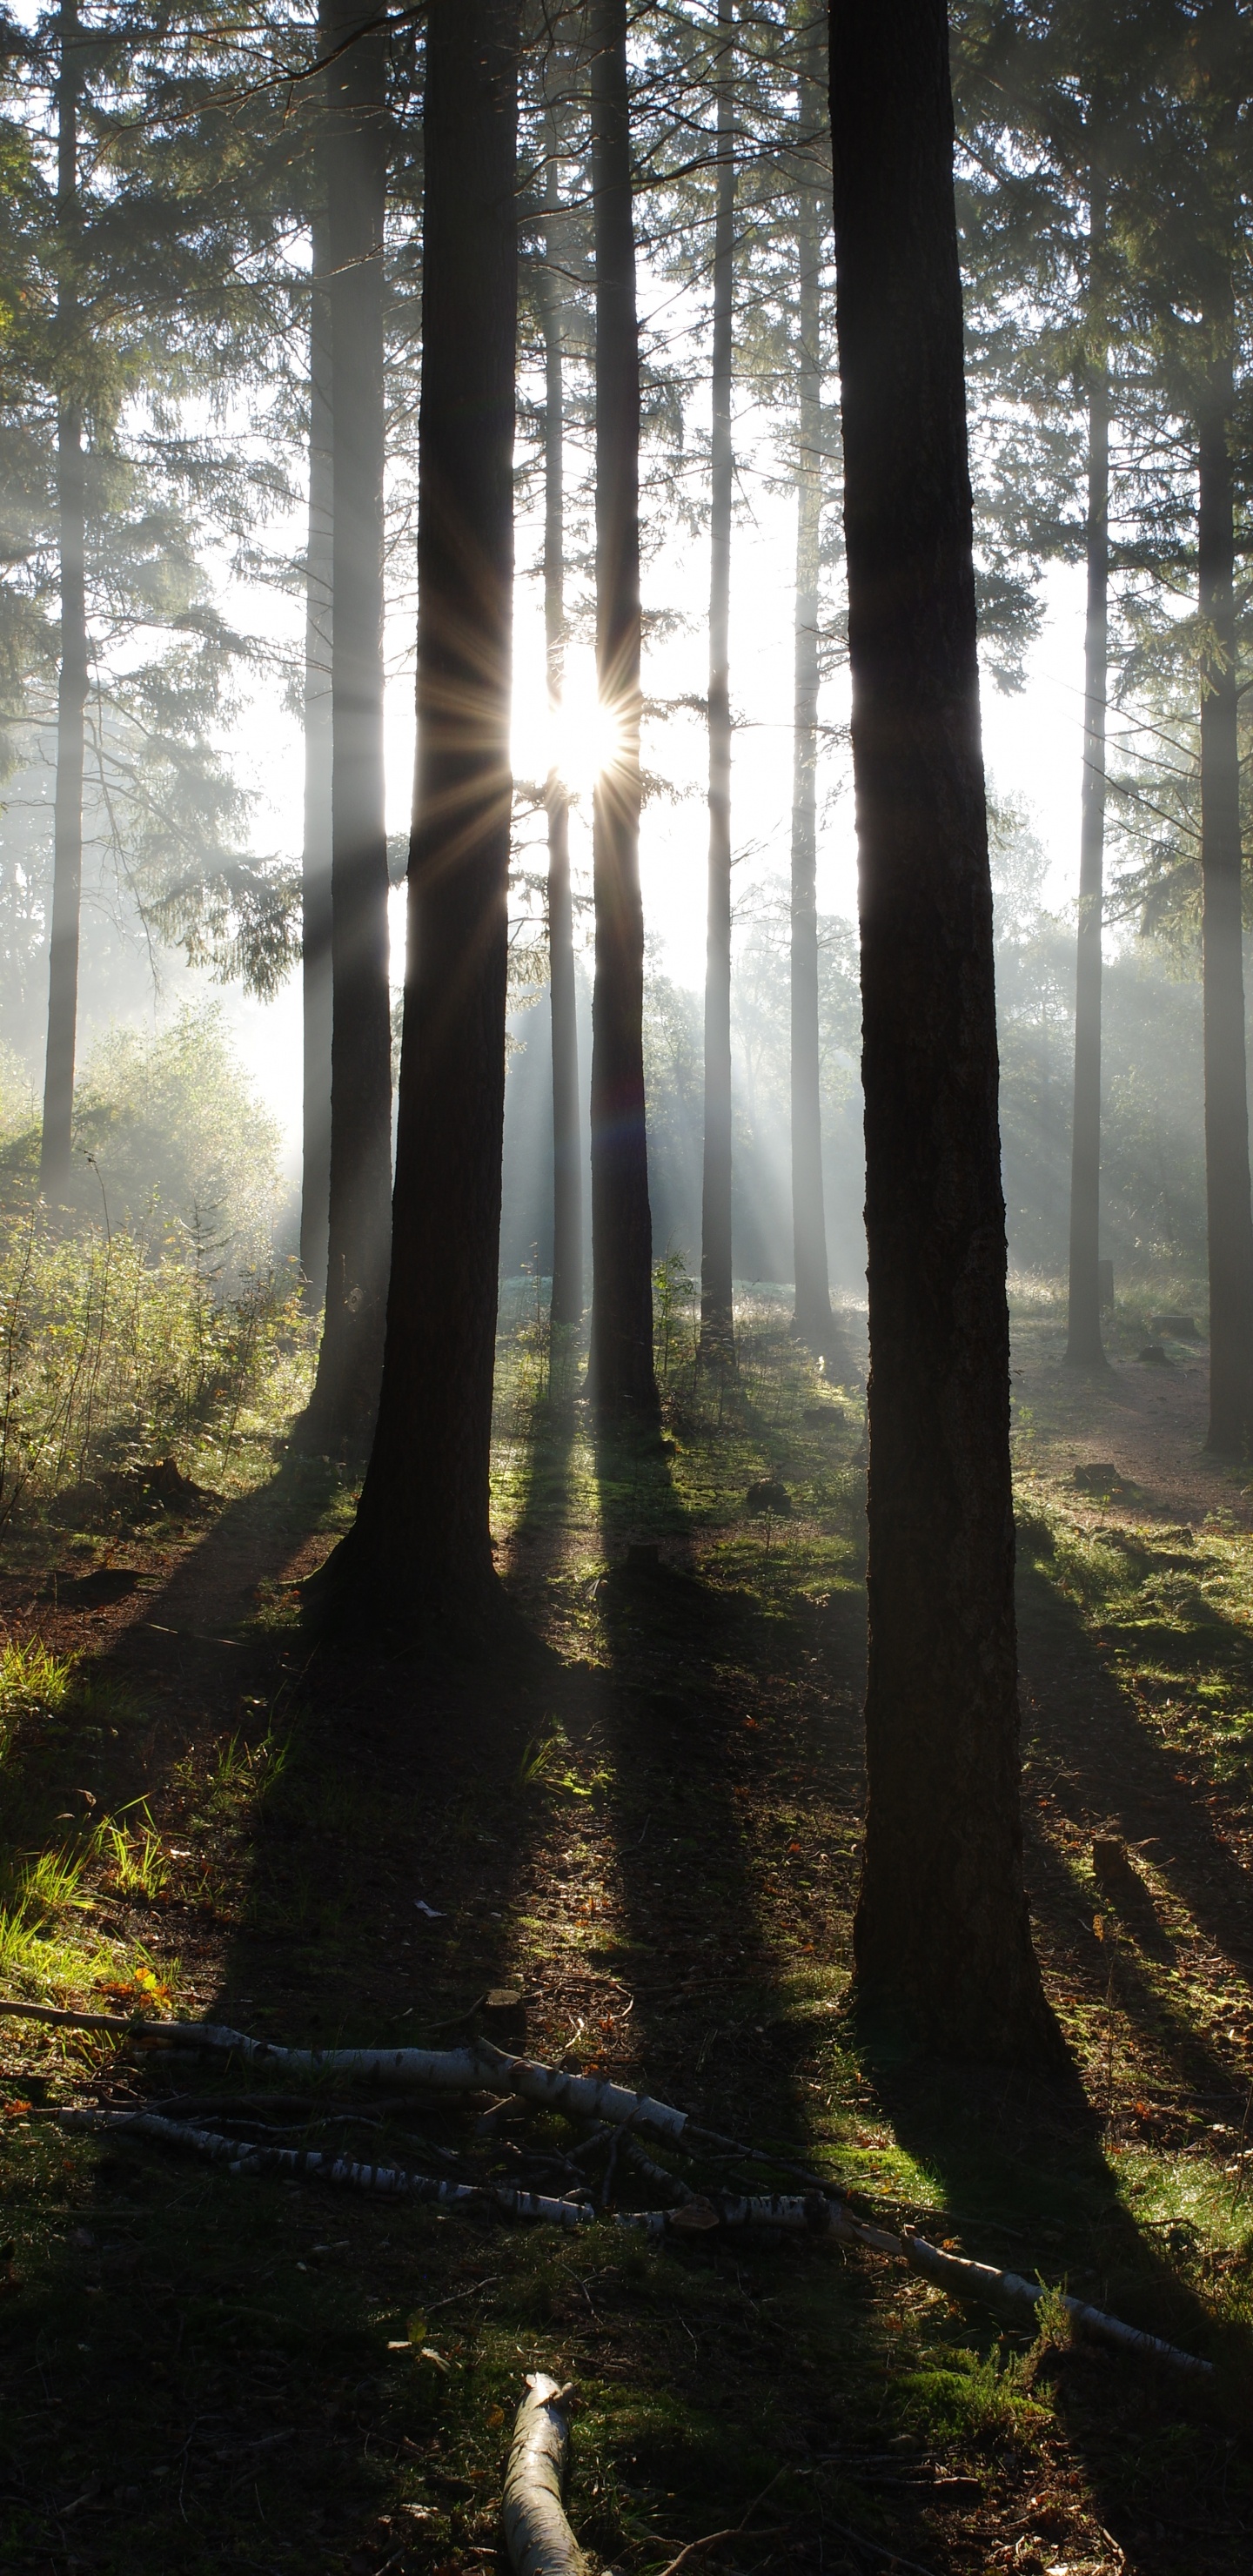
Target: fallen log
{"type": "Point", "coordinates": [537, 2535]}
{"type": "Point", "coordinates": [243, 2156]}
{"type": "Point", "coordinates": [810, 2216]}
{"type": "Point", "coordinates": [981, 2280]}
{"type": "Point", "coordinates": [442, 2070]}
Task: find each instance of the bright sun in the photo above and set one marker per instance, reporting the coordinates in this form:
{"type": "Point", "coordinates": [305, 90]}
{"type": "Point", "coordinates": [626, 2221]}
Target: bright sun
{"type": "Point", "coordinates": [587, 738]}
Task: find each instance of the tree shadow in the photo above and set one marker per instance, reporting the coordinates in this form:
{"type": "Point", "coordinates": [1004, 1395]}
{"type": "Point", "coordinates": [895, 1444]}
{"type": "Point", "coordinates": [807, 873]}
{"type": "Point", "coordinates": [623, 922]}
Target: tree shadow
{"type": "Point", "coordinates": [1108, 1771]}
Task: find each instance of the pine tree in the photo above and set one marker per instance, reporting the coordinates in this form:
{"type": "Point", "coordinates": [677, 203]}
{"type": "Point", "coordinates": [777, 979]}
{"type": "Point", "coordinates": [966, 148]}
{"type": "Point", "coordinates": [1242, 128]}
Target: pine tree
{"type": "Point", "coordinates": [567, 1271]}
{"type": "Point", "coordinates": [621, 1362]}
{"type": "Point", "coordinates": [345, 1396]}
{"type": "Point", "coordinates": [315, 952]}
{"type": "Point", "coordinates": [67, 877]}
{"type": "Point", "coordinates": [717, 1320]}
{"type": "Point", "coordinates": [941, 1935]}
{"type": "Point", "coordinates": [813, 1318]}
{"type": "Point", "coordinates": [420, 1552]}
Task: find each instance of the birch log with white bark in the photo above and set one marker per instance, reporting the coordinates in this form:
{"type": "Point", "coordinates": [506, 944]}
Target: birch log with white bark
{"type": "Point", "coordinates": [537, 2535]}
{"type": "Point", "coordinates": [245, 2156]}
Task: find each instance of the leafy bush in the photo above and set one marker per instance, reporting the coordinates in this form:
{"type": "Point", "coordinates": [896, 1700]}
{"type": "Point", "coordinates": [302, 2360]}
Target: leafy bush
{"type": "Point", "coordinates": [152, 1323]}
{"type": "Point", "coordinates": [109, 1359]}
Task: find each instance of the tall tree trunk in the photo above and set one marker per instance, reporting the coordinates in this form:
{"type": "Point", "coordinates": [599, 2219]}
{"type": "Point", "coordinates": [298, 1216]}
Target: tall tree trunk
{"type": "Point", "coordinates": [1226, 1088]}
{"type": "Point", "coordinates": [717, 1324]}
{"type": "Point", "coordinates": [315, 1192]}
{"type": "Point", "coordinates": [567, 1288]}
{"type": "Point", "coordinates": [67, 860]}
{"type": "Point", "coordinates": [813, 1319]}
{"type": "Point", "coordinates": [1084, 1347]}
{"type": "Point", "coordinates": [420, 1552]}
{"type": "Point", "coordinates": [941, 1938]}
{"type": "Point", "coordinates": [621, 1362]}
{"type": "Point", "coordinates": [345, 1396]}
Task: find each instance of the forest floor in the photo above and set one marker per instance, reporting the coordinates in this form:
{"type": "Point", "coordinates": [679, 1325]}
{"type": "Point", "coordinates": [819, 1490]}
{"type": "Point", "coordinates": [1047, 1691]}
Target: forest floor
{"type": "Point", "coordinates": [648, 1830]}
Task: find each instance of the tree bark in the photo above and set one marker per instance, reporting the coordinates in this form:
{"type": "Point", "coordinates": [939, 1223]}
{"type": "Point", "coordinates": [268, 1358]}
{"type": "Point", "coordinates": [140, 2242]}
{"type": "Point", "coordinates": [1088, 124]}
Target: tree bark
{"type": "Point", "coordinates": [567, 1287]}
{"type": "Point", "coordinates": [420, 1554]}
{"type": "Point", "coordinates": [1084, 1347]}
{"type": "Point", "coordinates": [717, 1320]}
{"type": "Point", "coordinates": [345, 1396]}
{"type": "Point", "coordinates": [813, 1319]}
{"type": "Point", "coordinates": [1226, 1082]}
{"type": "Point", "coordinates": [942, 1940]}
{"type": "Point", "coordinates": [67, 860]}
{"type": "Point", "coordinates": [621, 1371]}
{"type": "Point", "coordinates": [315, 1192]}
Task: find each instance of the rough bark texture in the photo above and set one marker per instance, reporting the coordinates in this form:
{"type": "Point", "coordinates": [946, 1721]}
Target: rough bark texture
{"type": "Point", "coordinates": [567, 1288]}
{"type": "Point", "coordinates": [813, 1318]}
{"type": "Point", "coordinates": [621, 1372]}
{"type": "Point", "coordinates": [420, 1553]}
{"type": "Point", "coordinates": [315, 1194]}
{"type": "Point", "coordinates": [717, 1324]}
{"type": "Point", "coordinates": [942, 1939]}
{"type": "Point", "coordinates": [67, 863]}
{"type": "Point", "coordinates": [345, 1397]}
{"type": "Point", "coordinates": [1226, 1083]}
{"type": "Point", "coordinates": [1084, 1347]}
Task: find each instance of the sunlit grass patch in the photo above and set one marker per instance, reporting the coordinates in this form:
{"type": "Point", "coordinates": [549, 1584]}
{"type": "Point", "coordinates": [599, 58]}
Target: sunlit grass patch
{"type": "Point", "coordinates": [31, 1680]}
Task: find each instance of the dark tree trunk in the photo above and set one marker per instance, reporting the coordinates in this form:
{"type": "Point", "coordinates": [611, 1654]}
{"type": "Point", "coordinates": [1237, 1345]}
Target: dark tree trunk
{"type": "Point", "coordinates": [67, 861]}
{"type": "Point", "coordinates": [1226, 1090]}
{"type": "Point", "coordinates": [813, 1318]}
{"type": "Point", "coordinates": [567, 1289]}
{"type": "Point", "coordinates": [942, 1938]}
{"type": "Point", "coordinates": [345, 1396]}
{"type": "Point", "coordinates": [1084, 1347]}
{"type": "Point", "coordinates": [621, 1364]}
{"type": "Point", "coordinates": [717, 1323]}
{"type": "Point", "coordinates": [316, 873]}
{"type": "Point", "coordinates": [420, 1553]}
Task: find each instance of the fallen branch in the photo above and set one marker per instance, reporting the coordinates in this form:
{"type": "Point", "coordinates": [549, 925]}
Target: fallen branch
{"type": "Point", "coordinates": [982, 2280]}
{"type": "Point", "coordinates": [11, 2008]}
{"type": "Point", "coordinates": [698, 2213]}
{"type": "Point", "coordinates": [734, 2531]}
{"type": "Point", "coordinates": [586, 2097]}
{"type": "Point", "coordinates": [395, 2181]}
{"type": "Point", "coordinates": [537, 2535]}
{"type": "Point", "coordinates": [441, 2070]}
{"type": "Point", "coordinates": [652, 2171]}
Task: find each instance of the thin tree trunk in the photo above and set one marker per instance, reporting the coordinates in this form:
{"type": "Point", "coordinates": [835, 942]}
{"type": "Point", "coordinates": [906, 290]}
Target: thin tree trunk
{"type": "Point", "coordinates": [420, 1553]}
{"type": "Point", "coordinates": [717, 1323]}
{"type": "Point", "coordinates": [621, 1363]}
{"type": "Point", "coordinates": [813, 1319]}
{"type": "Point", "coordinates": [345, 1396]}
{"type": "Point", "coordinates": [1084, 1347]}
{"type": "Point", "coordinates": [316, 874]}
{"type": "Point", "coordinates": [67, 860]}
{"type": "Point", "coordinates": [567, 1288]}
{"type": "Point", "coordinates": [1226, 1087]}
{"type": "Point", "coordinates": [942, 1938]}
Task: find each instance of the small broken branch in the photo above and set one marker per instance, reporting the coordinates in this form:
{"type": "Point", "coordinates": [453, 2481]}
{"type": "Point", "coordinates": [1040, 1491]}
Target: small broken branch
{"type": "Point", "coordinates": [537, 2535]}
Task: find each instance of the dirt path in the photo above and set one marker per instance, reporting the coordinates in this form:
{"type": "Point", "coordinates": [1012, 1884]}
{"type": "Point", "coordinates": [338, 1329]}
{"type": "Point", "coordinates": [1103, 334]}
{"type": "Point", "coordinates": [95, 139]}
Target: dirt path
{"type": "Point", "coordinates": [1147, 1421]}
